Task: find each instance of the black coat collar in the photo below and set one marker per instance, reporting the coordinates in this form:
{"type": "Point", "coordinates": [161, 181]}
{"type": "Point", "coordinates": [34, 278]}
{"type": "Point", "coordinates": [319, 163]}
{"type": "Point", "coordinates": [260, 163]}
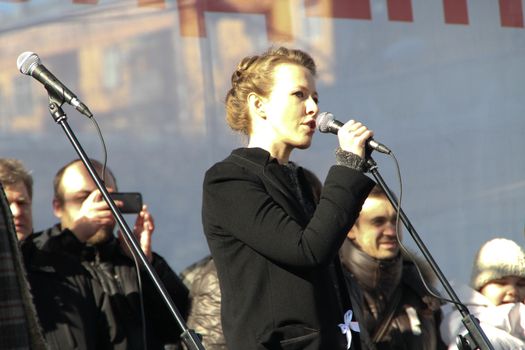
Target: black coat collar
{"type": "Point", "coordinates": [274, 177]}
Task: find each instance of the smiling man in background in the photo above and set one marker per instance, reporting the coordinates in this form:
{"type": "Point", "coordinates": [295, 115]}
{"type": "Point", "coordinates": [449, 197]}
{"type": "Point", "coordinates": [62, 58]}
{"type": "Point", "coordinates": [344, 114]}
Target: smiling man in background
{"type": "Point", "coordinates": [392, 307]}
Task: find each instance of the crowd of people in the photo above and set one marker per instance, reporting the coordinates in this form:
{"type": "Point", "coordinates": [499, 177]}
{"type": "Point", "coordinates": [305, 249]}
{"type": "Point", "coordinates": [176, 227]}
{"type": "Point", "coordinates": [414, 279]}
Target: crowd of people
{"type": "Point", "coordinates": [86, 289]}
{"type": "Point", "coordinates": [295, 263]}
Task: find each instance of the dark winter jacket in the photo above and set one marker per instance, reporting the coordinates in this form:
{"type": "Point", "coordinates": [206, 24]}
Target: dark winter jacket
{"type": "Point", "coordinates": [204, 316]}
{"type": "Point", "coordinates": [107, 279]}
{"type": "Point", "coordinates": [70, 315]}
{"type": "Point", "coordinates": [394, 310]}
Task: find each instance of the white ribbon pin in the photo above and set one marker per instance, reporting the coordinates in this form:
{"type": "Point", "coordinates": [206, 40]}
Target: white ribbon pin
{"type": "Point", "coordinates": [349, 326]}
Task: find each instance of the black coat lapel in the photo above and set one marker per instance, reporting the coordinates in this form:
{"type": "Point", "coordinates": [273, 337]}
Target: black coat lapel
{"type": "Point", "coordinates": [275, 174]}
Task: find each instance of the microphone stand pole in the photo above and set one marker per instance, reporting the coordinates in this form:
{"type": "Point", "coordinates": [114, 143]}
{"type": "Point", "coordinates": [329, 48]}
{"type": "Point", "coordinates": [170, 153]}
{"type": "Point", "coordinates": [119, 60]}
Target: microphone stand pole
{"type": "Point", "coordinates": [475, 338]}
{"type": "Point", "coordinates": [189, 337]}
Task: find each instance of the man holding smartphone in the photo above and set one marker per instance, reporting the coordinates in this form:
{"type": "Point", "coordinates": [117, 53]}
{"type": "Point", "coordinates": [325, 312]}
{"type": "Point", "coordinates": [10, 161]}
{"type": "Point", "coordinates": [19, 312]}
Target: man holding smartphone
{"type": "Point", "coordinates": [85, 236]}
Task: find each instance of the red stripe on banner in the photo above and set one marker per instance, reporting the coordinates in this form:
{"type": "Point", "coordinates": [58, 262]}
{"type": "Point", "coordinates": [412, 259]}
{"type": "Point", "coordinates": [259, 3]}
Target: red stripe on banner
{"type": "Point", "coordinates": [400, 10]}
{"type": "Point", "coordinates": [511, 12]}
{"type": "Point", "coordinates": [355, 9]}
{"type": "Point", "coordinates": [277, 13]}
{"type": "Point", "coordinates": [456, 11]}
{"type": "Point", "coordinates": [141, 3]}
{"type": "Point", "coordinates": [152, 3]}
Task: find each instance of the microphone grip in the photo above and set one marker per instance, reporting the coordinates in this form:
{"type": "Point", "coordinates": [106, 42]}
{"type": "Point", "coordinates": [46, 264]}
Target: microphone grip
{"type": "Point", "coordinates": [335, 125]}
{"type": "Point", "coordinates": [43, 75]}
{"type": "Point", "coordinates": [378, 146]}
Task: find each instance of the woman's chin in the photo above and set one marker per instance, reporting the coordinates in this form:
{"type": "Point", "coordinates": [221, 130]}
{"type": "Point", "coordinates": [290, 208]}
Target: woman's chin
{"type": "Point", "coordinates": [304, 143]}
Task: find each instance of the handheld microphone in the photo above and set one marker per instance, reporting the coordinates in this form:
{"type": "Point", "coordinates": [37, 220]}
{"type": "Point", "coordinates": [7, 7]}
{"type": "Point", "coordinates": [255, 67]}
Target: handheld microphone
{"type": "Point", "coordinates": [29, 63]}
{"type": "Point", "coordinates": [327, 123]}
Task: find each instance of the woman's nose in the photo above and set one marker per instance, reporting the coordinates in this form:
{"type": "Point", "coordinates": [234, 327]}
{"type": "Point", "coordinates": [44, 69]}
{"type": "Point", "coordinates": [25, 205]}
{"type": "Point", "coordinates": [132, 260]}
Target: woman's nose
{"type": "Point", "coordinates": [311, 106]}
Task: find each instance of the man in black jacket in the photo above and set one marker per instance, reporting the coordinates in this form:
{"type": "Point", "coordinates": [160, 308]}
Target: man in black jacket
{"type": "Point", "coordinates": [392, 306]}
{"type": "Point", "coordinates": [84, 242]}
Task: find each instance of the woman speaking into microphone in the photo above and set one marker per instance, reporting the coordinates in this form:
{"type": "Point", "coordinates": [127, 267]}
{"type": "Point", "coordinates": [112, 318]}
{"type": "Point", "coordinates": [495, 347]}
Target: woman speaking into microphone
{"type": "Point", "coordinates": [272, 244]}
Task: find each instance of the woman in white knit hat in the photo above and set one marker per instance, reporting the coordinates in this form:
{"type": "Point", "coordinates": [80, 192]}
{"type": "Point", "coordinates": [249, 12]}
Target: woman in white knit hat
{"type": "Point", "coordinates": [496, 296]}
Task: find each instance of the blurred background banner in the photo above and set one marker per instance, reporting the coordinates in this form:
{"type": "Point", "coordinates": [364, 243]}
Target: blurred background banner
{"type": "Point", "coordinates": [441, 82]}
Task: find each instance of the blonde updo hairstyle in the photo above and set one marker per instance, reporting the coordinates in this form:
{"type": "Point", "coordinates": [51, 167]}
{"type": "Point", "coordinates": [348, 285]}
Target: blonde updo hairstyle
{"type": "Point", "coordinates": [255, 74]}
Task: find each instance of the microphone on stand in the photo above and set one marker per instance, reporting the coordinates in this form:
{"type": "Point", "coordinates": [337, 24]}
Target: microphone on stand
{"type": "Point", "coordinates": [29, 63]}
{"type": "Point", "coordinates": [328, 124]}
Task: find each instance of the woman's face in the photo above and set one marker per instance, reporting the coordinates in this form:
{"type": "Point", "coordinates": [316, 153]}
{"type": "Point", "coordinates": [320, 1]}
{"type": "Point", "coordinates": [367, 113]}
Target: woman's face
{"type": "Point", "coordinates": [291, 108]}
{"type": "Point", "coordinates": [510, 289]}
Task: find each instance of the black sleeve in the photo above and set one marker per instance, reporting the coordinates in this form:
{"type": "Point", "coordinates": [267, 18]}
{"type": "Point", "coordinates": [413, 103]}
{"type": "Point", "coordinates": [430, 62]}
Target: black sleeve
{"type": "Point", "coordinates": [236, 202]}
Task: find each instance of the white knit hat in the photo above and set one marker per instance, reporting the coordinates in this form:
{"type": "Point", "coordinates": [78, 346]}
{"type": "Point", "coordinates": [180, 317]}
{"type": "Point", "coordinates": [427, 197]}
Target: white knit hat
{"type": "Point", "coordinates": [496, 259]}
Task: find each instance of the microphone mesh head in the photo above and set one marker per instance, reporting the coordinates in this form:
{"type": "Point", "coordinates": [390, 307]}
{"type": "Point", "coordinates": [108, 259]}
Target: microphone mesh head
{"type": "Point", "coordinates": [323, 121]}
{"type": "Point", "coordinates": [27, 61]}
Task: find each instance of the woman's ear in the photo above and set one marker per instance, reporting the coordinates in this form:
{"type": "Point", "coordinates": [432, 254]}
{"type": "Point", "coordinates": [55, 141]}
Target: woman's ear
{"type": "Point", "coordinates": [256, 105]}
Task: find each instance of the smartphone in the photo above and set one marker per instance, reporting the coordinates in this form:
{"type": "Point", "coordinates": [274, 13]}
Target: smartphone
{"type": "Point", "coordinates": [132, 201]}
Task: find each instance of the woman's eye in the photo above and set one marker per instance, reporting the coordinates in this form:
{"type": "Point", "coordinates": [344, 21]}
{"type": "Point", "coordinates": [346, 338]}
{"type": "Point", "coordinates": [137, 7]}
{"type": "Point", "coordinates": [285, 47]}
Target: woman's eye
{"type": "Point", "coordinates": [299, 94]}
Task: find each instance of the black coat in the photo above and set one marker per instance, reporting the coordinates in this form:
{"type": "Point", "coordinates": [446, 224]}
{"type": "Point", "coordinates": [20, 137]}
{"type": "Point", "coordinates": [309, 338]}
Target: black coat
{"type": "Point", "coordinates": [88, 295]}
{"type": "Point", "coordinates": [69, 314]}
{"type": "Point", "coordinates": [273, 258]}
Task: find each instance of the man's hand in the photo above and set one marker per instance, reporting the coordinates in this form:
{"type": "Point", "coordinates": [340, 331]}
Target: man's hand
{"type": "Point", "coordinates": [143, 230]}
{"type": "Point", "coordinates": [93, 215]}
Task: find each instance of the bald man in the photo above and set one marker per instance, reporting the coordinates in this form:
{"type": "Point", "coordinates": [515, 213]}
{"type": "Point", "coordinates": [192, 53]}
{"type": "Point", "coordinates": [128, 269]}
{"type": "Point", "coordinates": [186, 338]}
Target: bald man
{"type": "Point", "coordinates": [85, 237]}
